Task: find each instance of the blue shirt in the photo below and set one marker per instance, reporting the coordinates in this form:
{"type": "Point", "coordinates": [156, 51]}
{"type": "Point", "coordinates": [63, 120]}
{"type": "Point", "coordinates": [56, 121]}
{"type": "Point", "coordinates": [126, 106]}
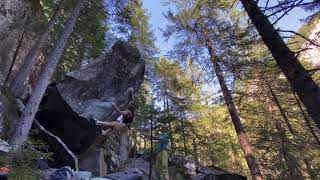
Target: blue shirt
{"type": "Point", "coordinates": [163, 145]}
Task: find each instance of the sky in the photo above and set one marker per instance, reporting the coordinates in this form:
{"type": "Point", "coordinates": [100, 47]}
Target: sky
{"type": "Point", "coordinates": [156, 8]}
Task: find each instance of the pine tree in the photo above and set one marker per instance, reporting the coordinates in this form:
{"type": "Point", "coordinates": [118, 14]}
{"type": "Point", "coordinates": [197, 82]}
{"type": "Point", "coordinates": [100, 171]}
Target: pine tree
{"type": "Point", "coordinates": [200, 29]}
{"type": "Point", "coordinates": [22, 130]}
{"type": "Point", "coordinates": [17, 86]}
{"type": "Point", "coordinates": [298, 77]}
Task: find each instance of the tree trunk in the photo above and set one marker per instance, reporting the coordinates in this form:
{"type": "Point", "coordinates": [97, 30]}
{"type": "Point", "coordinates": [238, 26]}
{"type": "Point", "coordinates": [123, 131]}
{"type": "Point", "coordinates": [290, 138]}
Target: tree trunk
{"type": "Point", "coordinates": [243, 140]}
{"type": "Point", "coordinates": [195, 149]}
{"type": "Point", "coordinates": [306, 88]}
{"type": "Point", "coordinates": [17, 85]}
{"type": "Point", "coordinates": [294, 171]}
{"type": "Point", "coordinates": [27, 116]}
{"type": "Point", "coordinates": [310, 169]}
{"type": "Point", "coordinates": [306, 119]}
{"type": "Point", "coordinates": [183, 136]}
{"type": "Point", "coordinates": [144, 139]}
{"type": "Point", "coordinates": [173, 146]}
{"type": "Point", "coordinates": [14, 57]}
{"type": "Point", "coordinates": [284, 116]}
{"type": "Point", "coordinates": [151, 147]}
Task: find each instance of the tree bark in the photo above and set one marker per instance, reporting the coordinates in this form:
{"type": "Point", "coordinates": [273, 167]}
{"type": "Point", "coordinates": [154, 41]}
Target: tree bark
{"type": "Point", "coordinates": [306, 119]}
{"type": "Point", "coordinates": [17, 85]}
{"type": "Point", "coordinates": [294, 171]}
{"type": "Point", "coordinates": [173, 146]}
{"type": "Point", "coordinates": [28, 114]}
{"type": "Point", "coordinates": [184, 136]}
{"type": "Point", "coordinates": [284, 116]}
{"type": "Point", "coordinates": [310, 169]}
{"type": "Point", "coordinates": [151, 147]}
{"type": "Point", "coordinates": [306, 88]}
{"type": "Point", "coordinates": [195, 148]}
{"type": "Point", "coordinates": [243, 140]}
{"type": "Point", "coordinates": [75, 158]}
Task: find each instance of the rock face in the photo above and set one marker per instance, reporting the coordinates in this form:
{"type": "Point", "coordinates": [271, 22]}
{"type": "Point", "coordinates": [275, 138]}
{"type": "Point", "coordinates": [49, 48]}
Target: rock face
{"type": "Point", "coordinates": [86, 94]}
{"type": "Point", "coordinates": [180, 168]}
{"type": "Point", "coordinates": [18, 31]}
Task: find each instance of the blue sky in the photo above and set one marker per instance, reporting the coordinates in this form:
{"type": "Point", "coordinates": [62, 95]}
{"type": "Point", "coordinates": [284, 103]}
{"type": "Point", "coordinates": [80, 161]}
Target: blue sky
{"type": "Point", "coordinates": [156, 8]}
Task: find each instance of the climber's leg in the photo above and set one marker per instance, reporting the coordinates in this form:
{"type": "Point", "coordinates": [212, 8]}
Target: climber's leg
{"type": "Point", "coordinates": [161, 166]}
{"type": "Point", "coordinates": [164, 165]}
{"type": "Point", "coordinates": [107, 125]}
{"type": "Point", "coordinates": [157, 166]}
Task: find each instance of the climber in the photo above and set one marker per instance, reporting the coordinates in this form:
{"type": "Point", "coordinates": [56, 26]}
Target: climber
{"type": "Point", "coordinates": [127, 117]}
{"type": "Point", "coordinates": [162, 139]}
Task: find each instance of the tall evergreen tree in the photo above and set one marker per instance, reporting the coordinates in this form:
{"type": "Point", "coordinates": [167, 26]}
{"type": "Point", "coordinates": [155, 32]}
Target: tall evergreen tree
{"type": "Point", "coordinates": [17, 85]}
{"type": "Point", "coordinates": [195, 20]}
{"type": "Point", "coordinates": [299, 78]}
{"type": "Point", "coordinates": [22, 130]}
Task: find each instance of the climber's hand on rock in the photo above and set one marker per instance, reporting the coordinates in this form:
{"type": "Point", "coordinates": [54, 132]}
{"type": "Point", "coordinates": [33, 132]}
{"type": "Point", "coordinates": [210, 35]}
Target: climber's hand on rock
{"type": "Point", "coordinates": [99, 122]}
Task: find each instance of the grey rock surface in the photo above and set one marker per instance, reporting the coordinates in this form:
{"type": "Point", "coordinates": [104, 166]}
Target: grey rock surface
{"type": "Point", "coordinates": [82, 175]}
{"type": "Point", "coordinates": [130, 174]}
{"type": "Point", "coordinates": [69, 107]}
{"type": "Point", "coordinates": [19, 27]}
{"type": "Point", "coordinates": [4, 146]}
{"type": "Point", "coordinates": [188, 169]}
{"type": "Point", "coordinates": [90, 90]}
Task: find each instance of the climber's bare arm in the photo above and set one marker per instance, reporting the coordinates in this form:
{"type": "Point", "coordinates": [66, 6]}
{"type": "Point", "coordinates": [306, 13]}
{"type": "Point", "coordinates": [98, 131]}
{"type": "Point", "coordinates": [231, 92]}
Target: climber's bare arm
{"type": "Point", "coordinates": [125, 113]}
{"type": "Point", "coordinates": [148, 136]}
{"type": "Point", "coordinates": [106, 124]}
{"type": "Point", "coordinates": [115, 107]}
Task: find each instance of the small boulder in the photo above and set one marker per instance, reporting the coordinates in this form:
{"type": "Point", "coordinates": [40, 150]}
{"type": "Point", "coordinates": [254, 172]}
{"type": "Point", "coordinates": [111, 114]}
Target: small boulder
{"type": "Point", "coordinates": [64, 173]}
{"type": "Point", "coordinates": [82, 175]}
{"type": "Point", "coordinates": [4, 146]}
{"type": "Point", "coordinates": [130, 174]}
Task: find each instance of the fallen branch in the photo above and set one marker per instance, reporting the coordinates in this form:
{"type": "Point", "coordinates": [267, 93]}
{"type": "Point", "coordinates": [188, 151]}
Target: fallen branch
{"type": "Point", "coordinates": [75, 159]}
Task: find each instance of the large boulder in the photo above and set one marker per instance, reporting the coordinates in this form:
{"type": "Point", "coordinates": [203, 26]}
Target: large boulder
{"type": "Point", "coordinates": [70, 106]}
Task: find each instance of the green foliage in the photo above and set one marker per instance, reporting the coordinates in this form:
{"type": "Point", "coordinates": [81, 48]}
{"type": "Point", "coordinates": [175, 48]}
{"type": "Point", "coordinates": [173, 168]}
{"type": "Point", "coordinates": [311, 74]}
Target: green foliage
{"type": "Point", "coordinates": [296, 42]}
{"type": "Point", "coordinates": [35, 5]}
{"type": "Point", "coordinates": [87, 40]}
{"type": "Point", "coordinates": [133, 23]}
{"type": "Point", "coordinates": [22, 164]}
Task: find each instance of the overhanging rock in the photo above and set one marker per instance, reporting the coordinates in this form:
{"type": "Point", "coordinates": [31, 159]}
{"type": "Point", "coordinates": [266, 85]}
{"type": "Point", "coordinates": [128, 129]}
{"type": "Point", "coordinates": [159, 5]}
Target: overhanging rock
{"type": "Point", "coordinates": [86, 94]}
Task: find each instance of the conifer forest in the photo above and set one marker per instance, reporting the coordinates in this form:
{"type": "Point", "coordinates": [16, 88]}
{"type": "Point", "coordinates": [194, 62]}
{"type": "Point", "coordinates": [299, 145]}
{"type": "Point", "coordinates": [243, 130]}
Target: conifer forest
{"type": "Point", "coordinates": [159, 89]}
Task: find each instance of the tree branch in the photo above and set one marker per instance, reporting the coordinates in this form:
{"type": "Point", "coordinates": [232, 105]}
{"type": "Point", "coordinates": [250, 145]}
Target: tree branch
{"type": "Point", "coordinates": [298, 34]}
{"type": "Point", "coordinates": [75, 159]}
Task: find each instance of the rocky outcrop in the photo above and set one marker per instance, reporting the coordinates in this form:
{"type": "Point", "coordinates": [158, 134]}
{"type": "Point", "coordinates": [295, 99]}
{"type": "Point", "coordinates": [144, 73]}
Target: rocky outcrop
{"type": "Point", "coordinates": [69, 107]}
{"type": "Point", "coordinates": [19, 28]}
{"type": "Point", "coordinates": [180, 168]}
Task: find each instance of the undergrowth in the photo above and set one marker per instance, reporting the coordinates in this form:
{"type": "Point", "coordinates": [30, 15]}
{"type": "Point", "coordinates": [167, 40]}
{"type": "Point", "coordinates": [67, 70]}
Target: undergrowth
{"type": "Point", "coordinates": [22, 164]}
